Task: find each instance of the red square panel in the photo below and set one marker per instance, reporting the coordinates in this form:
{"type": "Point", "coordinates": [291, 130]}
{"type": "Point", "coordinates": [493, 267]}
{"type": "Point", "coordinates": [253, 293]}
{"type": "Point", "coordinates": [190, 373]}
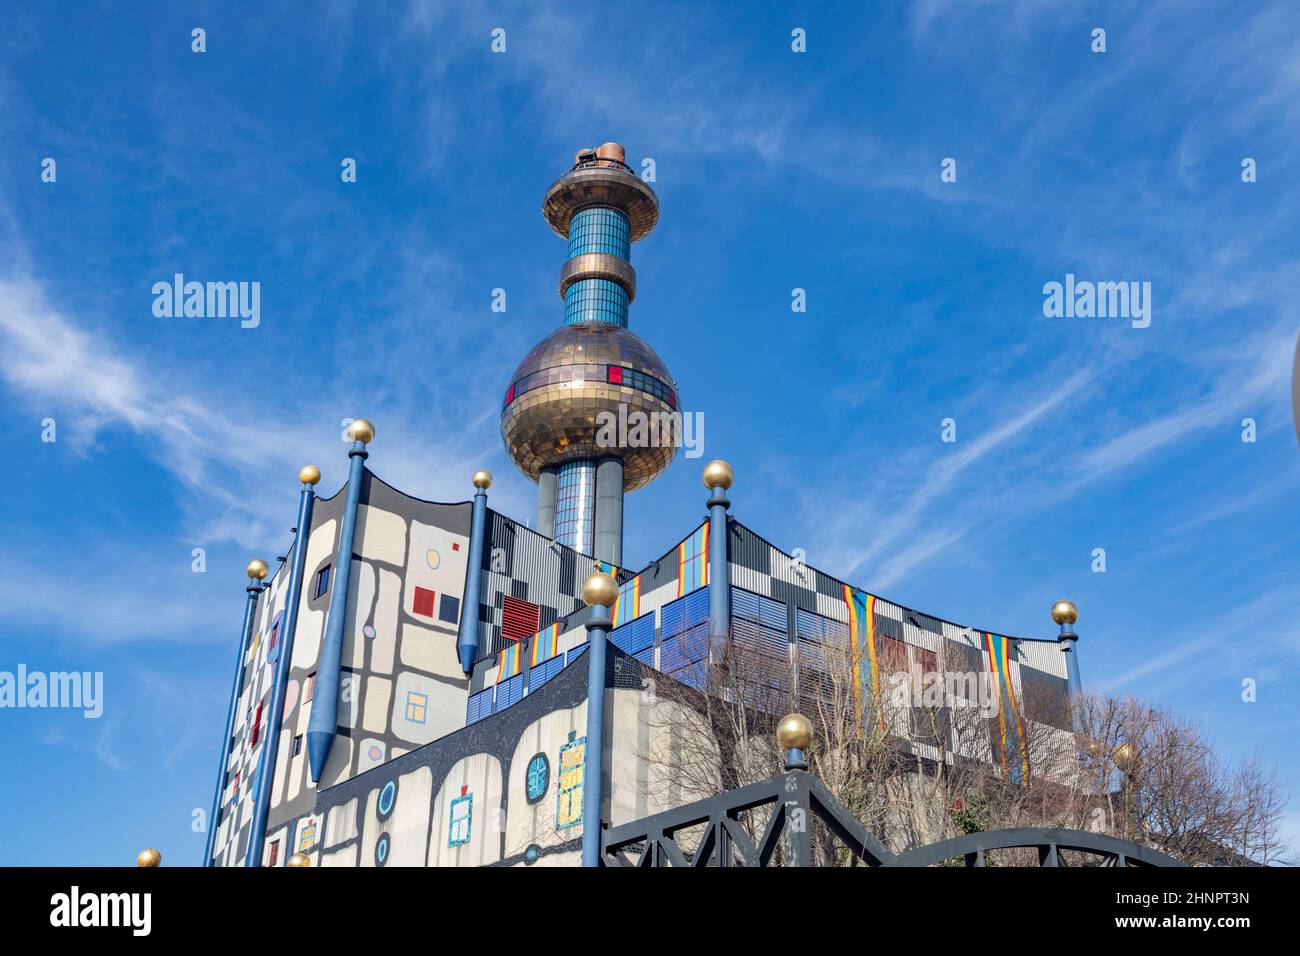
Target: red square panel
{"type": "Point", "coordinates": [519, 619]}
{"type": "Point", "coordinates": [615, 376]}
{"type": "Point", "coordinates": [423, 603]}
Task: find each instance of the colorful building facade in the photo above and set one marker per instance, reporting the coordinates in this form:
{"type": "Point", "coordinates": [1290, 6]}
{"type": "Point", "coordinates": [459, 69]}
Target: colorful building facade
{"type": "Point", "coordinates": [437, 649]}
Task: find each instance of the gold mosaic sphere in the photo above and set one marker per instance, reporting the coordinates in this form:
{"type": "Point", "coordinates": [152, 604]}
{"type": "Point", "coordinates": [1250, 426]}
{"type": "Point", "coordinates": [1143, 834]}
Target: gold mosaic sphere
{"type": "Point", "coordinates": [482, 478]}
{"type": "Point", "coordinates": [1064, 612]}
{"type": "Point", "coordinates": [571, 377]}
{"type": "Point", "coordinates": [794, 732]}
{"type": "Point", "coordinates": [600, 589]}
{"type": "Point", "coordinates": [718, 474]}
{"type": "Point", "coordinates": [298, 859]}
{"type": "Point", "coordinates": [257, 568]}
{"type": "Point", "coordinates": [309, 475]}
{"type": "Point", "coordinates": [362, 431]}
{"type": "Point", "coordinates": [149, 857]}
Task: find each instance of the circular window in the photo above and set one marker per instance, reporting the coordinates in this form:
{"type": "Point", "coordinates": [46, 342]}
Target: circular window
{"type": "Point", "coordinates": [386, 798]}
{"type": "Point", "coordinates": [538, 777]}
{"type": "Point", "coordinates": [381, 850]}
{"type": "Point", "coordinates": [532, 854]}
{"type": "Point", "coordinates": [369, 632]}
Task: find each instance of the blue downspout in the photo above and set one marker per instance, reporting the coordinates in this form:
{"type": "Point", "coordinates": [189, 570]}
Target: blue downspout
{"type": "Point", "coordinates": [236, 688]}
{"type": "Point", "coordinates": [593, 774]}
{"type": "Point", "coordinates": [325, 704]}
{"type": "Point", "coordinates": [467, 639]}
{"type": "Point", "coordinates": [266, 762]}
{"type": "Point", "coordinates": [719, 574]}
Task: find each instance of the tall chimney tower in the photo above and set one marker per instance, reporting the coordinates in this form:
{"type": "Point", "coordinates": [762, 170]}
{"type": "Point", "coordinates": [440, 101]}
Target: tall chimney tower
{"type": "Point", "coordinates": [592, 378]}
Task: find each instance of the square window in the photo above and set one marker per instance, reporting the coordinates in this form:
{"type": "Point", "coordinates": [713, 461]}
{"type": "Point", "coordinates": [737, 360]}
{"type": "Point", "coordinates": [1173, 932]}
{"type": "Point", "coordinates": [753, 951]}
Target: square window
{"type": "Point", "coordinates": [310, 688]}
{"type": "Point", "coordinates": [423, 602]}
{"type": "Point", "coordinates": [417, 706]}
{"type": "Point", "coordinates": [275, 852]}
{"type": "Point", "coordinates": [449, 609]}
{"type": "Point", "coordinates": [322, 581]}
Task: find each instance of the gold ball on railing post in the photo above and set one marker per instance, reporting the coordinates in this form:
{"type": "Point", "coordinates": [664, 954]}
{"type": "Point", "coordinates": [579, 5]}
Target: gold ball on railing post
{"type": "Point", "coordinates": [600, 589]}
{"type": "Point", "coordinates": [718, 474]}
{"type": "Point", "coordinates": [298, 859]}
{"type": "Point", "coordinates": [149, 857]}
{"type": "Point", "coordinates": [362, 431]}
{"type": "Point", "coordinates": [482, 478]}
{"type": "Point", "coordinates": [309, 475]}
{"type": "Point", "coordinates": [257, 568]}
{"type": "Point", "coordinates": [794, 732]}
{"type": "Point", "coordinates": [1065, 612]}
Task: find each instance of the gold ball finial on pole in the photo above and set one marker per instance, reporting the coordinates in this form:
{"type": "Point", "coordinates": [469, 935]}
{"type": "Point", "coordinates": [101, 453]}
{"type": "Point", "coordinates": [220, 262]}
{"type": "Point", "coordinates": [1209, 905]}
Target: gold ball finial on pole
{"type": "Point", "coordinates": [1065, 612]}
{"type": "Point", "coordinates": [149, 857]}
{"type": "Point", "coordinates": [482, 478]}
{"type": "Point", "coordinates": [600, 589]}
{"type": "Point", "coordinates": [794, 732]}
{"type": "Point", "coordinates": [362, 431]}
{"type": "Point", "coordinates": [257, 568]}
{"type": "Point", "coordinates": [309, 474]}
{"type": "Point", "coordinates": [718, 474]}
{"type": "Point", "coordinates": [298, 859]}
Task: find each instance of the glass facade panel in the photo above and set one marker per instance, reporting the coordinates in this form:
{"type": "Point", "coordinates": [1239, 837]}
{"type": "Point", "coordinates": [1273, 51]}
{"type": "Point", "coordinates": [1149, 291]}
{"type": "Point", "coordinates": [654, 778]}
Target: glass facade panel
{"type": "Point", "coordinates": [596, 300]}
{"type": "Point", "coordinates": [575, 506]}
{"type": "Point", "coordinates": [599, 229]}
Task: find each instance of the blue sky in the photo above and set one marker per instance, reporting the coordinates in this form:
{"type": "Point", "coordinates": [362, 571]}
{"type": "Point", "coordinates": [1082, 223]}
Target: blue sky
{"type": "Point", "coordinates": [775, 170]}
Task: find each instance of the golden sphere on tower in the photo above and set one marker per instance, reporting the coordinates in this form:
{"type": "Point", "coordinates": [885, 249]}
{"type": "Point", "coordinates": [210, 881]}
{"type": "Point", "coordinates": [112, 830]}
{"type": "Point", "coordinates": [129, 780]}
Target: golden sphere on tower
{"type": "Point", "coordinates": [309, 474]}
{"type": "Point", "coordinates": [298, 859]}
{"type": "Point", "coordinates": [362, 431]}
{"type": "Point", "coordinates": [794, 732]}
{"type": "Point", "coordinates": [257, 568]}
{"type": "Point", "coordinates": [600, 589]}
{"type": "Point", "coordinates": [1064, 612]}
{"type": "Point", "coordinates": [482, 478]}
{"type": "Point", "coordinates": [149, 857]}
{"type": "Point", "coordinates": [718, 474]}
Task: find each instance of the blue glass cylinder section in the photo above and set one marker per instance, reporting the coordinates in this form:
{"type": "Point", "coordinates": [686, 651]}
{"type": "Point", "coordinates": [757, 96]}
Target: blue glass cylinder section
{"type": "Point", "coordinates": [596, 300]}
{"type": "Point", "coordinates": [575, 505]}
{"type": "Point", "coordinates": [605, 230]}
{"type": "Point", "coordinates": [599, 229]}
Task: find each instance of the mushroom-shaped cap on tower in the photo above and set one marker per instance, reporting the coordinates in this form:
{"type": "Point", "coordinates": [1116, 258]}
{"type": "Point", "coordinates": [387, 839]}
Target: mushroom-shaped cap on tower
{"type": "Point", "coordinates": [590, 391]}
{"type": "Point", "coordinates": [600, 178]}
{"type": "Point", "coordinates": [257, 568]}
{"type": "Point", "coordinates": [1064, 612]}
{"type": "Point", "coordinates": [362, 431]}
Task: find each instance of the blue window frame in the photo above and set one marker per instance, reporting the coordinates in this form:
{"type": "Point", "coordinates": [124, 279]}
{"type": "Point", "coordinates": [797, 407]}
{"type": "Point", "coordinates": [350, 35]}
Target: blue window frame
{"type": "Point", "coordinates": [322, 581]}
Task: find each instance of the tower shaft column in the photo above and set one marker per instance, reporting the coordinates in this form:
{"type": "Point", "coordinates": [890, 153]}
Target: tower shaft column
{"type": "Point", "coordinates": [609, 511]}
{"type": "Point", "coordinates": [546, 500]}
